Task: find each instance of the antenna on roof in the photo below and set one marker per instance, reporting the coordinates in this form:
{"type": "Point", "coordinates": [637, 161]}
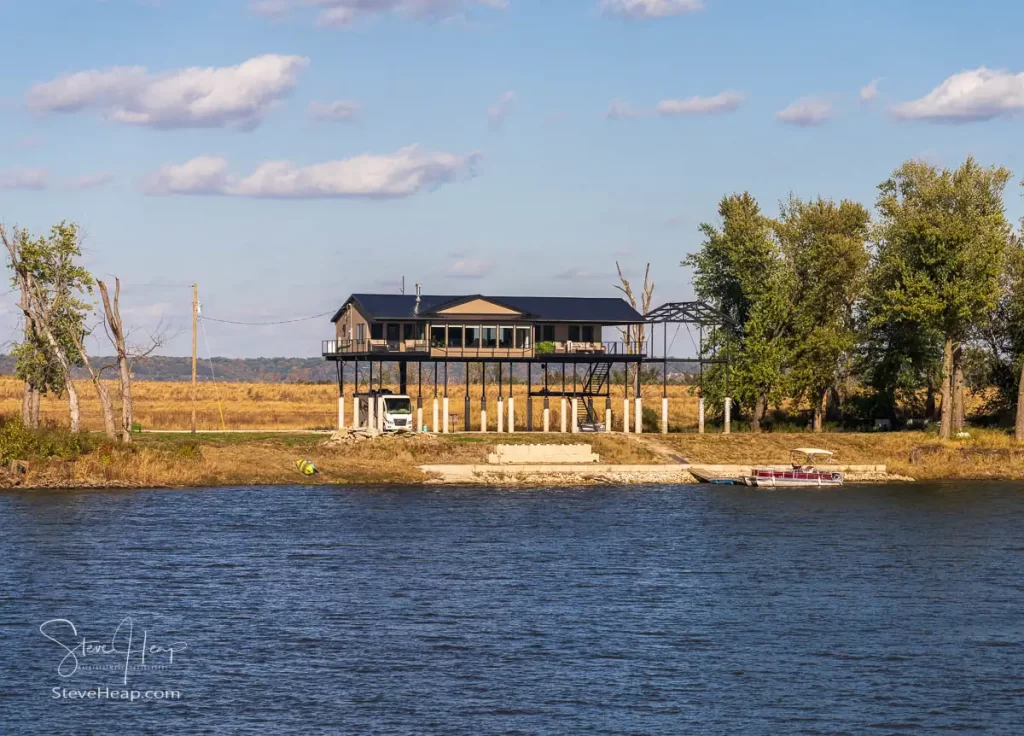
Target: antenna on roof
{"type": "Point", "coordinates": [416, 307]}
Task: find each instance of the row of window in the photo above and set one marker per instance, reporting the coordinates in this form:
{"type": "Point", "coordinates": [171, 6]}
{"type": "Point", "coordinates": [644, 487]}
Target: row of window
{"type": "Point", "coordinates": [471, 336]}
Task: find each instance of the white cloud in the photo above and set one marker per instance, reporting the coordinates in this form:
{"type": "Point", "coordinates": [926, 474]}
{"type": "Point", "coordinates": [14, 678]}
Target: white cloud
{"type": "Point", "coordinates": [720, 103]}
{"type": "Point", "coordinates": [806, 112]}
{"type": "Point", "coordinates": [338, 110]}
{"type": "Point", "coordinates": [622, 110]}
{"type": "Point", "coordinates": [24, 179]}
{"type": "Point", "coordinates": [978, 94]}
{"type": "Point", "coordinates": [638, 9]}
{"type": "Point", "coordinates": [90, 181]}
{"type": "Point", "coordinates": [343, 13]}
{"type": "Point", "coordinates": [404, 173]}
{"type": "Point", "coordinates": [238, 96]}
{"type": "Point", "coordinates": [496, 113]}
{"type": "Point", "coordinates": [870, 92]}
{"type": "Point", "coordinates": [469, 268]}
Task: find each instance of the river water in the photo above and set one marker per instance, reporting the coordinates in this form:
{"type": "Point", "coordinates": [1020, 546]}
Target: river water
{"type": "Point", "coordinates": [481, 611]}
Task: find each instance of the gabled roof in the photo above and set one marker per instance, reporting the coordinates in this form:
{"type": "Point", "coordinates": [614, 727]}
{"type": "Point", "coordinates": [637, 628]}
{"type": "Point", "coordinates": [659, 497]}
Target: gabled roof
{"type": "Point", "coordinates": [606, 310]}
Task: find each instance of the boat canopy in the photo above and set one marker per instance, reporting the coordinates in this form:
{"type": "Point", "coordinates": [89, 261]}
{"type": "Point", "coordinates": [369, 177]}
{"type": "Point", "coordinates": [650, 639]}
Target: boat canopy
{"type": "Point", "coordinates": [812, 451]}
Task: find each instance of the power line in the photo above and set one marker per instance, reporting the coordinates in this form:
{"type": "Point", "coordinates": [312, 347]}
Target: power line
{"type": "Point", "coordinates": [264, 324]}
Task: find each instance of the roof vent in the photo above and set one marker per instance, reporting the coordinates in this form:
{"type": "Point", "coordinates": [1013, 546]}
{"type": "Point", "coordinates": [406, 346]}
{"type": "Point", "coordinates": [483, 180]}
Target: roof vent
{"type": "Point", "coordinates": [416, 308]}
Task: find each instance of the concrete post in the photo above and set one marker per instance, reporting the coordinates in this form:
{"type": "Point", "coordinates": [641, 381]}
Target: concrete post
{"type": "Point", "coordinates": [371, 422]}
{"type": "Point", "coordinates": [625, 416]}
{"type": "Point", "coordinates": [380, 413]}
{"type": "Point", "coordinates": [483, 419]}
{"type": "Point", "coordinates": [341, 412]}
{"type": "Point", "coordinates": [607, 418]}
{"type": "Point", "coordinates": [728, 416]}
{"type": "Point", "coordinates": [664, 415]}
{"type": "Point", "coordinates": [547, 416]}
{"type": "Point", "coordinates": [700, 415]}
{"type": "Point", "coordinates": [639, 417]}
{"type": "Point", "coordinates": [511, 415]}
{"type": "Point", "coordinates": [444, 417]}
{"type": "Point", "coordinates": [501, 415]}
{"type": "Point", "coordinates": [419, 418]}
{"type": "Point", "coordinates": [573, 409]}
{"type": "Point", "coordinates": [355, 412]}
{"type": "Point", "coordinates": [436, 425]}
{"type": "Point", "coordinates": [564, 414]}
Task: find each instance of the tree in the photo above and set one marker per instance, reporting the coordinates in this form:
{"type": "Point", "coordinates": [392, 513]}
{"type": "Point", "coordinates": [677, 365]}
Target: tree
{"type": "Point", "coordinates": [825, 245]}
{"type": "Point", "coordinates": [51, 284]}
{"type": "Point", "coordinates": [940, 248]}
{"type": "Point", "coordinates": [740, 269]}
{"type": "Point", "coordinates": [634, 336]}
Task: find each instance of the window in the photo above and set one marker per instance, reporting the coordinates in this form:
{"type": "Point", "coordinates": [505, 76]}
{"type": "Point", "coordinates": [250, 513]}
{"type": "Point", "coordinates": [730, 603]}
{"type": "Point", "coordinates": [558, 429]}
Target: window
{"type": "Point", "coordinates": [588, 333]}
{"type": "Point", "coordinates": [472, 337]}
{"type": "Point", "coordinates": [505, 337]}
{"type": "Point", "coordinates": [544, 333]}
{"type": "Point", "coordinates": [523, 337]}
{"type": "Point", "coordinates": [361, 331]}
{"type": "Point", "coordinates": [377, 331]}
{"type": "Point", "coordinates": [437, 339]}
{"type": "Point", "coordinates": [574, 333]}
{"type": "Point", "coordinates": [408, 332]}
{"type": "Point", "coordinates": [455, 336]}
{"type": "Point", "coordinates": [490, 337]}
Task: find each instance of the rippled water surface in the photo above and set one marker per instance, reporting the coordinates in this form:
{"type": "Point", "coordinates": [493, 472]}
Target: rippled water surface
{"type": "Point", "coordinates": [482, 611]}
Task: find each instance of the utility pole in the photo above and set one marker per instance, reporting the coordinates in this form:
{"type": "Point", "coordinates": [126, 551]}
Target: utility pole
{"type": "Point", "coordinates": [195, 315]}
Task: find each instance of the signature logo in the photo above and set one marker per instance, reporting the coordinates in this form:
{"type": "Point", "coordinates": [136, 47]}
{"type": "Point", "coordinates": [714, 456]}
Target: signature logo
{"type": "Point", "coordinates": [124, 651]}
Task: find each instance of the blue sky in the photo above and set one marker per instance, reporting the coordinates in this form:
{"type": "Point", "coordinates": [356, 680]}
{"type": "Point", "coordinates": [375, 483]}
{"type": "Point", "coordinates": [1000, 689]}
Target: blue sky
{"type": "Point", "coordinates": [494, 146]}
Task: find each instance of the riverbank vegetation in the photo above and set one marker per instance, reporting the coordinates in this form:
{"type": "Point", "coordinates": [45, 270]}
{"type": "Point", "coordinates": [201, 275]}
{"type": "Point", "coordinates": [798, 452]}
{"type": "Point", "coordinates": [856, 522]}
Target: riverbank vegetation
{"type": "Point", "coordinates": [891, 321]}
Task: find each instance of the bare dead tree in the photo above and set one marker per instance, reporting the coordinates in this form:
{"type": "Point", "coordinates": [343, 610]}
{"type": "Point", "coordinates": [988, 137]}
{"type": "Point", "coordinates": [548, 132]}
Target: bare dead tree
{"type": "Point", "coordinates": [635, 336]}
{"type": "Point", "coordinates": [124, 353]}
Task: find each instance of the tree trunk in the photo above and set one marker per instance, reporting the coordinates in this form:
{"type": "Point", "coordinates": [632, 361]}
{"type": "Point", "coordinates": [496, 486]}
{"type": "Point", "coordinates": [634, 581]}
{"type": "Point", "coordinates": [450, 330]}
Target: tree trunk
{"type": "Point", "coordinates": [112, 310]}
{"type": "Point", "coordinates": [26, 405]}
{"type": "Point", "coordinates": [34, 411]}
{"type": "Point", "coordinates": [946, 418]}
{"type": "Point", "coordinates": [958, 390]}
{"type": "Point", "coordinates": [759, 409]}
{"type": "Point", "coordinates": [819, 412]}
{"type": "Point", "coordinates": [1018, 429]}
{"type": "Point", "coordinates": [106, 406]}
{"type": "Point", "coordinates": [74, 413]}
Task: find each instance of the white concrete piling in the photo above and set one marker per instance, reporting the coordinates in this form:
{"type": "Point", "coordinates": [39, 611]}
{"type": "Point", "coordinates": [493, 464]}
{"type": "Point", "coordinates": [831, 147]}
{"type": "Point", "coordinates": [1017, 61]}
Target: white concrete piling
{"type": "Point", "coordinates": [419, 418]}
{"type": "Point", "coordinates": [638, 415]}
{"type": "Point", "coordinates": [547, 420]}
{"type": "Point", "coordinates": [501, 415]}
{"type": "Point", "coordinates": [574, 409]}
{"type": "Point", "coordinates": [436, 425]}
{"type": "Point", "coordinates": [371, 422]}
{"type": "Point", "coordinates": [444, 415]}
{"type": "Point", "coordinates": [664, 415]}
{"type": "Point", "coordinates": [607, 419]}
{"type": "Point", "coordinates": [564, 414]}
{"type": "Point", "coordinates": [341, 412]}
{"type": "Point", "coordinates": [625, 416]}
{"type": "Point", "coordinates": [355, 412]}
{"type": "Point", "coordinates": [700, 415]}
{"type": "Point", "coordinates": [728, 416]}
{"type": "Point", "coordinates": [511, 415]}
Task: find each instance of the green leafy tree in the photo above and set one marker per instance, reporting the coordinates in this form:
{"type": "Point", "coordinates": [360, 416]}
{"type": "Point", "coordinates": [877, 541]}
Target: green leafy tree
{"type": "Point", "coordinates": [740, 269]}
{"type": "Point", "coordinates": [825, 245]}
{"type": "Point", "coordinates": [53, 285]}
{"type": "Point", "coordinates": [941, 244]}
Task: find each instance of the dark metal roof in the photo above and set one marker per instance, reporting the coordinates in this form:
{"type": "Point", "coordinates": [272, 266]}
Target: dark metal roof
{"type": "Point", "coordinates": [606, 310]}
{"type": "Point", "coordinates": [694, 313]}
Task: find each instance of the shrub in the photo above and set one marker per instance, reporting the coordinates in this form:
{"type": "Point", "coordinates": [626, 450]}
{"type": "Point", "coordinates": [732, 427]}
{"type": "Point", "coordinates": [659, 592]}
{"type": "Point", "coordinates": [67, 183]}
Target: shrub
{"type": "Point", "coordinates": [544, 348]}
{"type": "Point", "coordinates": [651, 420]}
{"type": "Point", "coordinates": [18, 442]}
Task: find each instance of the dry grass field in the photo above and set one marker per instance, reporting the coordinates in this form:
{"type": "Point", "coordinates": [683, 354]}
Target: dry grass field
{"type": "Point", "coordinates": [167, 405]}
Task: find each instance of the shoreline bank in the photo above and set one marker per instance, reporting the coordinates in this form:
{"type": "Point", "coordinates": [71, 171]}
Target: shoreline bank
{"type": "Point", "coordinates": [268, 459]}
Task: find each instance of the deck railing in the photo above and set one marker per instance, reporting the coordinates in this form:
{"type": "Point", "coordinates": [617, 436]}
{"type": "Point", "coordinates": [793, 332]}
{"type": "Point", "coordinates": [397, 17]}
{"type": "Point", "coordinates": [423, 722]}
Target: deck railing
{"type": "Point", "coordinates": [424, 348]}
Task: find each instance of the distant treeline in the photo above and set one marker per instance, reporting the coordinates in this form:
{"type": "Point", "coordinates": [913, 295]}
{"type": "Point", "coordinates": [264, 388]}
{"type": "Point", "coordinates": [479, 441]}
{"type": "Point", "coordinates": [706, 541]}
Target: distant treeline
{"type": "Point", "coordinates": [235, 370]}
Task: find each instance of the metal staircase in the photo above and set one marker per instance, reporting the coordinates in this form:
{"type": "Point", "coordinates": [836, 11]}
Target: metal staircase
{"type": "Point", "coordinates": [594, 382]}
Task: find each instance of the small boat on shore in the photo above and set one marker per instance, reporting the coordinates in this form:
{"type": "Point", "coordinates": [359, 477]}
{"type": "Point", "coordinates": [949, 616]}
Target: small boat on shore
{"type": "Point", "coordinates": [803, 473]}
